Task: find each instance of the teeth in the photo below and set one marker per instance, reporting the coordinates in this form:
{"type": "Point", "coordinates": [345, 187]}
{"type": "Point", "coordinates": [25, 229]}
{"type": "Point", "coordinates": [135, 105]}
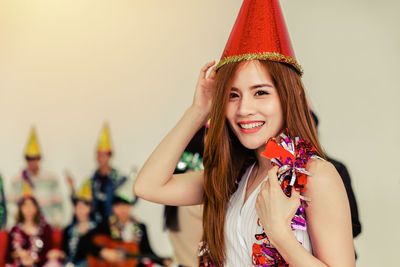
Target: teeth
{"type": "Point", "coordinates": [251, 125]}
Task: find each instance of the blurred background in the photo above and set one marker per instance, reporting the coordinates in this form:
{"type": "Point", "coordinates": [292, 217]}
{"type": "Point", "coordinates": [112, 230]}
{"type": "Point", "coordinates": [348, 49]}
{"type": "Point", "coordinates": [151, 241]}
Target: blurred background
{"type": "Point", "coordinates": [69, 66]}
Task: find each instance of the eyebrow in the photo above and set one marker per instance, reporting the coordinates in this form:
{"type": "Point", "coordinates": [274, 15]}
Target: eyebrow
{"type": "Point", "coordinates": [260, 85]}
{"type": "Point", "coordinates": [254, 86]}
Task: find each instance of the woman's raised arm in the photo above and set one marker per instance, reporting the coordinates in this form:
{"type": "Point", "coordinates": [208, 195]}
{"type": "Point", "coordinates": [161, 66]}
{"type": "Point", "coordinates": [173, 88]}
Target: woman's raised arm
{"type": "Point", "coordinates": [156, 181]}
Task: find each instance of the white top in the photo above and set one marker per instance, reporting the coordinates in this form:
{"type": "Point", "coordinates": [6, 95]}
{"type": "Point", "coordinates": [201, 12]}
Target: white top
{"type": "Point", "coordinates": [241, 226]}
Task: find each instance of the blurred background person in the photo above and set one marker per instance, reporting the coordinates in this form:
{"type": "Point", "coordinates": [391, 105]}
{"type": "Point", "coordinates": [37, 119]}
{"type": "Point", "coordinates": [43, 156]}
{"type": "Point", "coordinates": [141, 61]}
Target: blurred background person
{"type": "Point", "coordinates": [30, 239]}
{"type": "Point", "coordinates": [42, 184]}
{"type": "Point", "coordinates": [3, 208]}
{"type": "Point", "coordinates": [105, 180]}
{"type": "Point", "coordinates": [120, 236]}
{"type": "Point", "coordinates": [80, 225]}
{"type": "Point", "coordinates": [184, 224]}
{"type": "Point", "coordinates": [3, 223]}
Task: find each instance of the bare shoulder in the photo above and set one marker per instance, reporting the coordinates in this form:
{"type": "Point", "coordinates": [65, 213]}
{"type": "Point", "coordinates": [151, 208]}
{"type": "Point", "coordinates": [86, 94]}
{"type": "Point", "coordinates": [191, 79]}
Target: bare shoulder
{"type": "Point", "coordinates": [321, 167]}
{"type": "Point", "coordinates": [324, 176]}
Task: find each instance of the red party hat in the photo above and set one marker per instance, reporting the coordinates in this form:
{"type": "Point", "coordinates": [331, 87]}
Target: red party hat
{"type": "Point", "coordinates": [259, 33]}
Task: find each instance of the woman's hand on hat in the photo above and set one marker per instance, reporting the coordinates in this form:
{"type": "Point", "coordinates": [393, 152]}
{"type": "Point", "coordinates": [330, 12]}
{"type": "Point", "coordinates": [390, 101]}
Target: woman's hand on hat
{"type": "Point", "coordinates": [205, 88]}
{"type": "Point", "coordinates": [274, 208]}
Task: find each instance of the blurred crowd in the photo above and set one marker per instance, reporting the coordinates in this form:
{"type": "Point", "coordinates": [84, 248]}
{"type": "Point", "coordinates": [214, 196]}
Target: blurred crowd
{"type": "Point", "coordinates": [102, 231]}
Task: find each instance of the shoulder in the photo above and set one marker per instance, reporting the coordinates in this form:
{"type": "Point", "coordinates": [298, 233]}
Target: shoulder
{"type": "Point", "coordinates": [14, 229]}
{"type": "Point", "coordinates": [46, 228]}
{"type": "Point", "coordinates": [17, 178]}
{"type": "Point", "coordinates": [324, 186]}
{"type": "Point", "coordinates": [324, 178]}
{"type": "Point", "coordinates": [17, 232]}
{"type": "Point", "coordinates": [322, 171]}
{"type": "Point", "coordinates": [69, 227]}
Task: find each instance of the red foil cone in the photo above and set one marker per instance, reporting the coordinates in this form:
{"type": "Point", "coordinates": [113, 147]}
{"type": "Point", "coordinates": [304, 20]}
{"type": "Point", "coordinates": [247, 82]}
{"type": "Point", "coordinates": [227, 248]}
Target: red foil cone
{"type": "Point", "coordinates": [259, 33]}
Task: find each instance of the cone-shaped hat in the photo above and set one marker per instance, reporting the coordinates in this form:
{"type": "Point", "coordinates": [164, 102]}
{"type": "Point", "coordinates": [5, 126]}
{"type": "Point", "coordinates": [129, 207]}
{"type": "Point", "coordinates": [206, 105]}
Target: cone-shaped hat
{"type": "Point", "coordinates": [27, 190]}
{"type": "Point", "coordinates": [32, 148]}
{"type": "Point", "coordinates": [259, 33]}
{"type": "Point", "coordinates": [104, 144]}
{"type": "Point", "coordinates": [85, 192]}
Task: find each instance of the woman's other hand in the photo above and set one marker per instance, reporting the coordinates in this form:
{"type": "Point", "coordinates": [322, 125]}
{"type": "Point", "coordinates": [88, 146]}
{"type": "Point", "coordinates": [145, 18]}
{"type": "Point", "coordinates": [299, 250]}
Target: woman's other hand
{"type": "Point", "coordinates": [274, 208]}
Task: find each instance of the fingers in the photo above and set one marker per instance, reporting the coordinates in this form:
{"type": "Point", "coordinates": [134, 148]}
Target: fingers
{"type": "Point", "coordinates": [295, 198]}
{"type": "Point", "coordinates": [213, 73]}
{"type": "Point", "coordinates": [272, 180]}
{"type": "Point", "coordinates": [207, 66]}
{"type": "Point", "coordinates": [273, 176]}
{"type": "Point", "coordinates": [295, 194]}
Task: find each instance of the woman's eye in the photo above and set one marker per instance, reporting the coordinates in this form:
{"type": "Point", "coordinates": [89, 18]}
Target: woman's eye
{"type": "Point", "coordinates": [233, 95]}
{"type": "Point", "coordinates": [262, 92]}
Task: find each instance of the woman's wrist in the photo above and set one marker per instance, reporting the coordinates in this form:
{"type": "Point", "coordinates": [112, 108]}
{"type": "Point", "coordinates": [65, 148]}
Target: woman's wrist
{"type": "Point", "coordinates": [198, 114]}
{"type": "Point", "coordinates": [281, 235]}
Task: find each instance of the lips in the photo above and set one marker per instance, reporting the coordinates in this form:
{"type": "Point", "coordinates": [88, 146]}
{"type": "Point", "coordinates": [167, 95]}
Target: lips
{"type": "Point", "coordinates": [250, 126]}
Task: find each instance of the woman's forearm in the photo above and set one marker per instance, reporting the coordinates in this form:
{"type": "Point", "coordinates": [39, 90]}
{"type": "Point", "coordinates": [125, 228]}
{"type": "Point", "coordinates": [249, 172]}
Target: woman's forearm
{"type": "Point", "coordinates": [293, 252]}
{"type": "Point", "coordinates": [158, 169]}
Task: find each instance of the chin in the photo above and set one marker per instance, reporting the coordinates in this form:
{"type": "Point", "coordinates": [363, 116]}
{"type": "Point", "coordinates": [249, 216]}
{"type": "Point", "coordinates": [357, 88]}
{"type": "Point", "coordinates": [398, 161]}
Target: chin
{"type": "Point", "coordinates": [252, 144]}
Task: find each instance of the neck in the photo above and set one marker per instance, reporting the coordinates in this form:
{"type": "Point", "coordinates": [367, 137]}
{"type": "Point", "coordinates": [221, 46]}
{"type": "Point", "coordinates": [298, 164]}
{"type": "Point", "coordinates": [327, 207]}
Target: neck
{"type": "Point", "coordinates": [83, 221]}
{"type": "Point", "coordinates": [33, 171]}
{"type": "Point", "coordinates": [264, 164]}
{"type": "Point", "coordinates": [29, 222]}
{"type": "Point", "coordinates": [123, 221]}
{"type": "Point", "coordinates": [105, 170]}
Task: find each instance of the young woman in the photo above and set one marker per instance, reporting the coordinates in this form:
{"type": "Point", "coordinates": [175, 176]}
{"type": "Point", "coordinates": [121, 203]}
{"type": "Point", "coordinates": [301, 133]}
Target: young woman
{"type": "Point", "coordinates": [30, 240]}
{"type": "Point", "coordinates": [255, 94]}
{"type": "Point", "coordinates": [81, 225]}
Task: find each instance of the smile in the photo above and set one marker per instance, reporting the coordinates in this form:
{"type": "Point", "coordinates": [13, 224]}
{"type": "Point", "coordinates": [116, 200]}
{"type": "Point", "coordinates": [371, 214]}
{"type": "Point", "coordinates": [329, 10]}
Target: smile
{"type": "Point", "coordinates": [250, 127]}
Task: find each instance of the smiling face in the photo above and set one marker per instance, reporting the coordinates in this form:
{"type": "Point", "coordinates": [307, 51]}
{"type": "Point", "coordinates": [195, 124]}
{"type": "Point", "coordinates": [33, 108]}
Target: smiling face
{"type": "Point", "coordinates": [122, 211]}
{"type": "Point", "coordinates": [254, 109]}
{"type": "Point", "coordinates": [28, 210]}
{"type": "Point", "coordinates": [33, 164]}
{"type": "Point", "coordinates": [82, 211]}
{"type": "Point", "coordinates": [103, 159]}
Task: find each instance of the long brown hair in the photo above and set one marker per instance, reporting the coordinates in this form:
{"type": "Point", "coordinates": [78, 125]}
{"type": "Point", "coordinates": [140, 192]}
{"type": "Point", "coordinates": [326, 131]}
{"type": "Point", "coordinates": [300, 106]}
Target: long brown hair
{"type": "Point", "coordinates": [225, 157]}
{"type": "Point", "coordinates": [20, 215]}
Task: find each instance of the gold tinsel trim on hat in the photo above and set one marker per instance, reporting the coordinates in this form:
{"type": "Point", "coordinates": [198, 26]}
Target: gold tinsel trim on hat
{"type": "Point", "coordinates": [273, 56]}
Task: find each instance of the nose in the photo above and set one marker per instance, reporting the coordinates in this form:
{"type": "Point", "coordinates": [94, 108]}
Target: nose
{"type": "Point", "coordinates": [246, 106]}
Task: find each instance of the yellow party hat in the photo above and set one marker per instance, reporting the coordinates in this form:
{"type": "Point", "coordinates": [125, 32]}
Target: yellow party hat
{"type": "Point", "coordinates": [32, 149]}
{"type": "Point", "coordinates": [104, 144]}
{"type": "Point", "coordinates": [85, 193]}
{"type": "Point", "coordinates": [27, 190]}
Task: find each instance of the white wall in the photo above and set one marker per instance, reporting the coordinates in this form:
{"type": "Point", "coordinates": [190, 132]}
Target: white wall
{"type": "Point", "coordinates": [68, 66]}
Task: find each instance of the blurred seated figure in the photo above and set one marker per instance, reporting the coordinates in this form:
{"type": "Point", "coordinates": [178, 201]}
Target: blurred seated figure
{"type": "Point", "coordinates": [184, 224]}
{"type": "Point", "coordinates": [43, 186]}
{"type": "Point", "coordinates": [120, 238]}
{"type": "Point", "coordinates": [81, 224]}
{"type": "Point", "coordinates": [30, 240]}
{"type": "Point", "coordinates": [3, 209]}
{"type": "Point", "coordinates": [344, 174]}
{"type": "Point", "coordinates": [105, 180]}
